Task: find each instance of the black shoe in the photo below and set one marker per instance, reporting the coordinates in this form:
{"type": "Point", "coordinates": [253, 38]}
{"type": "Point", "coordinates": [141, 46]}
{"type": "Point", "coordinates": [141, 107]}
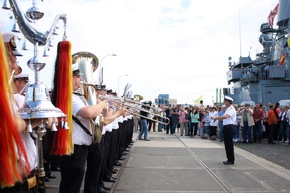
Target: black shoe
{"type": "Point", "coordinates": [140, 139]}
{"type": "Point", "coordinates": [146, 139]}
{"type": "Point", "coordinates": [115, 170]}
{"type": "Point", "coordinates": [271, 142]}
{"type": "Point", "coordinates": [56, 169]}
{"type": "Point", "coordinates": [51, 176]}
{"type": "Point", "coordinates": [110, 180]}
{"type": "Point", "coordinates": [228, 163]}
{"type": "Point", "coordinates": [46, 179]}
{"type": "Point", "coordinates": [122, 158]}
{"type": "Point", "coordinates": [106, 188]}
{"type": "Point", "coordinates": [117, 164]}
{"type": "Point", "coordinates": [101, 190]}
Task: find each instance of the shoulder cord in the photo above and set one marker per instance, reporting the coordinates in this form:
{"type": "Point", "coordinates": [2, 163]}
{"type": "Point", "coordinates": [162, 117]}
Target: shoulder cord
{"type": "Point", "coordinates": [81, 125]}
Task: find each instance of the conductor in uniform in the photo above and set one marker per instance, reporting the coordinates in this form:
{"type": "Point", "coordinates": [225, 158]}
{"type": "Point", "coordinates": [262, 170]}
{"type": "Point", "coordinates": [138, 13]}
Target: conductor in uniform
{"type": "Point", "coordinates": [229, 118]}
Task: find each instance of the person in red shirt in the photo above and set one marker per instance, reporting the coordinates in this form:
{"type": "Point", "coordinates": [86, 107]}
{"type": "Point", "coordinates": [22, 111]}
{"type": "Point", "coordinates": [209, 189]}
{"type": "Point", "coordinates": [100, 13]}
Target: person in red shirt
{"type": "Point", "coordinates": [277, 112]}
{"type": "Point", "coordinates": [272, 121]}
{"type": "Point", "coordinates": [258, 116]}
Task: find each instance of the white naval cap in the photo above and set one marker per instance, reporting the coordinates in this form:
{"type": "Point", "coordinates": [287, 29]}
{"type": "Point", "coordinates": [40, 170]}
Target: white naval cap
{"type": "Point", "coordinates": [9, 38]}
{"type": "Point", "coordinates": [228, 98]}
{"type": "Point", "coordinates": [22, 75]}
{"type": "Point", "coordinates": [76, 70]}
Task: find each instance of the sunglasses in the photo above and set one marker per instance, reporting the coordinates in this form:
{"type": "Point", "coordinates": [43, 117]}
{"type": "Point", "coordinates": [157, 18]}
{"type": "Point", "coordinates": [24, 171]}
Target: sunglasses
{"type": "Point", "coordinates": [21, 79]}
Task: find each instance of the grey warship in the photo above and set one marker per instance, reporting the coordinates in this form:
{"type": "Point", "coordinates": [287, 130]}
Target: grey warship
{"type": "Point", "coordinates": [265, 79]}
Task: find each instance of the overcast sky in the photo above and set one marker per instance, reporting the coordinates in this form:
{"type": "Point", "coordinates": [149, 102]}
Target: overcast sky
{"type": "Point", "coordinates": [175, 47]}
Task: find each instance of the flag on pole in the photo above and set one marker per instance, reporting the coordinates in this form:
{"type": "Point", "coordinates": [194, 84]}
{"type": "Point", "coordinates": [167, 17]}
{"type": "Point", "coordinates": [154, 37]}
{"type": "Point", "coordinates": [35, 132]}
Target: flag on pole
{"type": "Point", "coordinates": [272, 15]}
{"type": "Point", "coordinates": [282, 60]}
{"type": "Point", "coordinates": [196, 102]}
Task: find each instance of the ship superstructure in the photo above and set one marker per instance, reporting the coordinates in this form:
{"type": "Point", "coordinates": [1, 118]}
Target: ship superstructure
{"type": "Point", "coordinates": [267, 78]}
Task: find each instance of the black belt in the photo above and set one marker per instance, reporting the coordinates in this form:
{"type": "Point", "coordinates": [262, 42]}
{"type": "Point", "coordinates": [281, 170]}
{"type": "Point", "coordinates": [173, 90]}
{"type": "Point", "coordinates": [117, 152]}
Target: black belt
{"type": "Point", "coordinates": [27, 184]}
{"type": "Point", "coordinates": [229, 125]}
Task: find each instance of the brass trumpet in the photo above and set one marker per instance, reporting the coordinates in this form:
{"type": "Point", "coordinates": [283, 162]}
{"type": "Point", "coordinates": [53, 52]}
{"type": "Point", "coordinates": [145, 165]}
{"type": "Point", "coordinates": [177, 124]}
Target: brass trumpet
{"type": "Point", "coordinates": [135, 110]}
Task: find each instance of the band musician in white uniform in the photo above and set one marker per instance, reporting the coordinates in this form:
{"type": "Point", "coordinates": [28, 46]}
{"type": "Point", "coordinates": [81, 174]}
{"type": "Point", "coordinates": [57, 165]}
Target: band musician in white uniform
{"type": "Point", "coordinates": [73, 166]}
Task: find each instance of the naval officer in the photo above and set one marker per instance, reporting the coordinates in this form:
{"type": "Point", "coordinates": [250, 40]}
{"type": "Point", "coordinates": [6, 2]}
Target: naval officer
{"type": "Point", "coordinates": [229, 118]}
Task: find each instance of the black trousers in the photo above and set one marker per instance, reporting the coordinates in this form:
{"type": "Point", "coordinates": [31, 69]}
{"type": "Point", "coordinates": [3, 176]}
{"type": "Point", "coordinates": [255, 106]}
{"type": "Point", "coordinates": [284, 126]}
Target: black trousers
{"type": "Point", "coordinates": [123, 138]}
{"type": "Point", "coordinates": [272, 127]}
{"type": "Point", "coordinates": [130, 132]}
{"type": "Point", "coordinates": [73, 169]}
{"type": "Point", "coordinates": [94, 162]}
{"type": "Point", "coordinates": [212, 131]}
{"type": "Point", "coordinates": [111, 155]}
{"type": "Point", "coordinates": [119, 142]}
{"type": "Point", "coordinates": [228, 141]}
{"type": "Point", "coordinates": [106, 138]}
{"type": "Point", "coordinates": [47, 144]}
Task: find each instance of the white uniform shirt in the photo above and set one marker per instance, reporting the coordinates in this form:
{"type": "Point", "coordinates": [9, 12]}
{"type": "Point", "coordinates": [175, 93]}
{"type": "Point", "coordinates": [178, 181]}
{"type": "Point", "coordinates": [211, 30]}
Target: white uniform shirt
{"type": "Point", "coordinates": [120, 119]}
{"type": "Point", "coordinates": [115, 124]}
{"type": "Point", "coordinates": [231, 111]}
{"type": "Point", "coordinates": [27, 140]}
{"type": "Point", "coordinates": [79, 136]}
{"type": "Point", "coordinates": [109, 127]}
{"type": "Point", "coordinates": [212, 122]}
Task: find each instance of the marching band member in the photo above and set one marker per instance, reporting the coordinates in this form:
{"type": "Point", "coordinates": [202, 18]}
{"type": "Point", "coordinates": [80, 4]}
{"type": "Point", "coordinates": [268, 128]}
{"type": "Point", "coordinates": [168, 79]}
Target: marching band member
{"type": "Point", "coordinates": [111, 140]}
{"type": "Point", "coordinates": [19, 173]}
{"type": "Point", "coordinates": [20, 81]}
{"type": "Point", "coordinates": [96, 154]}
{"type": "Point", "coordinates": [25, 158]}
{"type": "Point", "coordinates": [73, 166]}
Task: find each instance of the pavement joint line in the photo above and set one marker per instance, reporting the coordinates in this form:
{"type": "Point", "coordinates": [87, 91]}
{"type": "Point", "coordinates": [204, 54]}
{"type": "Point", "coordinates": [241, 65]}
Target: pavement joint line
{"type": "Point", "coordinates": [205, 166]}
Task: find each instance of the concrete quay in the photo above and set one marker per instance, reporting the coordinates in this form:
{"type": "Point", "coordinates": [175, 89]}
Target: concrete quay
{"type": "Point", "coordinates": [179, 164]}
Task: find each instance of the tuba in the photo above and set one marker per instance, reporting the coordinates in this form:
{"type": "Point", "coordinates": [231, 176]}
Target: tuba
{"type": "Point", "coordinates": [88, 63]}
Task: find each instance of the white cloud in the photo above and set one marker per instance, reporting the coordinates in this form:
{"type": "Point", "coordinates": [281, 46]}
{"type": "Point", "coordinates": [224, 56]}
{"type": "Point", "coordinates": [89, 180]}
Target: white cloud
{"type": "Point", "coordinates": [171, 47]}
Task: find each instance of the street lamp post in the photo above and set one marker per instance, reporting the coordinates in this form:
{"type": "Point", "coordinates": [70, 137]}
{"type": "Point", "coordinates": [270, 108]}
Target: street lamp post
{"type": "Point", "coordinates": [119, 83]}
{"type": "Point", "coordinates": [105, 57]}
{"type": "Point", "coordinates": [101, 71]}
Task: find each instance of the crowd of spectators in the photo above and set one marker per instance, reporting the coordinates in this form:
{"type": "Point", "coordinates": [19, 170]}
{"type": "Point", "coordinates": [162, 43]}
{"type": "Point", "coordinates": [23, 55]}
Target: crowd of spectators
{"type": "Point", "coordinates": [253, 123]}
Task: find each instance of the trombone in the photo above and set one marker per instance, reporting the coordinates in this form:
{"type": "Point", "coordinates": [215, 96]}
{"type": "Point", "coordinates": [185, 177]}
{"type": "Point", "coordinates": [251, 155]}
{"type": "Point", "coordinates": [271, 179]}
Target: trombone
{"type": "Point", "coordinates": [139, 103]}
{"type": "Point", "coordinates": [131, 108]}
{"type": "Point", "coordinates": [135, 110]}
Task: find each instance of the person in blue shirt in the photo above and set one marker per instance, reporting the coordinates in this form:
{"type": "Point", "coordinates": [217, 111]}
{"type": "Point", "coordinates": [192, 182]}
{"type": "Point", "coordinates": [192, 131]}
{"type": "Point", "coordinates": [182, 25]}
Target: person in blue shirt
{"type": "Point", "coordinates": [221, 112]}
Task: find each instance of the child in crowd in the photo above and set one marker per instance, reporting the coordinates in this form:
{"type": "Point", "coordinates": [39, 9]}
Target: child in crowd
{"type": "Point", "coordinates": [206, 121]}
